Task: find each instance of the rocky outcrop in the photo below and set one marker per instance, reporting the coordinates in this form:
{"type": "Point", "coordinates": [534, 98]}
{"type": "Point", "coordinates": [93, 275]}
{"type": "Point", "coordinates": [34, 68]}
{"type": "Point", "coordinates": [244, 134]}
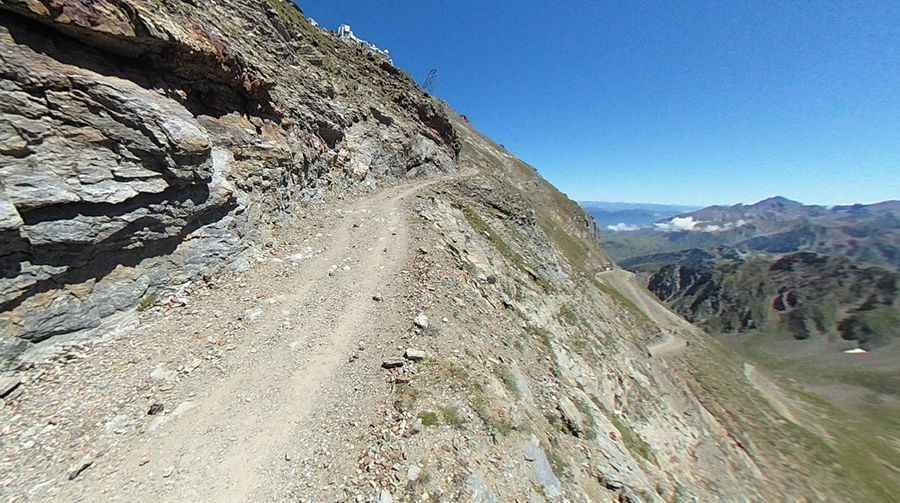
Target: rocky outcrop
{"type": "Point", "coordinates": [145, 144]}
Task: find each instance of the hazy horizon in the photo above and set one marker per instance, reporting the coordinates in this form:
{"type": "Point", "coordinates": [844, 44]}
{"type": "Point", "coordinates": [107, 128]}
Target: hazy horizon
{"type": "Point", "coordinates": [700, 205]}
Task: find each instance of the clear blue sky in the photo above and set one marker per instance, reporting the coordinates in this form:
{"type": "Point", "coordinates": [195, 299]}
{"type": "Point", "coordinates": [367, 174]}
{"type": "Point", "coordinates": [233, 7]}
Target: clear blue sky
{"type": "Point", "coordinates": [690, 102]}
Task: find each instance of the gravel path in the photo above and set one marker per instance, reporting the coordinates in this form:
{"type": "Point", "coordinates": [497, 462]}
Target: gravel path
{"type": "Point", "coordinates": [626, 283]}
{"type": "Point", "coordinates": [265, 381]}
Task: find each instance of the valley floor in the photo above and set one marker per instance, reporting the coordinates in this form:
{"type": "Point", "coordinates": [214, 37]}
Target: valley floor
{"type": "Point", "coordinates": [849, 402]}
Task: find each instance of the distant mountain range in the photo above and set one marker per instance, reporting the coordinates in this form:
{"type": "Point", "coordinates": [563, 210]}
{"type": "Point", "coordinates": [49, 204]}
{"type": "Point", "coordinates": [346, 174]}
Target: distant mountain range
{"type": "Point", "coordinates": [775, 213]}
{"type": "Point", "coordinates": [777, 266]}
{"type": "Point", "coordinates": [869, 234]}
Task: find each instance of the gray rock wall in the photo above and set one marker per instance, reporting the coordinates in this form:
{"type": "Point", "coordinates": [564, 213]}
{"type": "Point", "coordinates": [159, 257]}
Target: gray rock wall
{"type": "Point", "coordinates": [140, 150]}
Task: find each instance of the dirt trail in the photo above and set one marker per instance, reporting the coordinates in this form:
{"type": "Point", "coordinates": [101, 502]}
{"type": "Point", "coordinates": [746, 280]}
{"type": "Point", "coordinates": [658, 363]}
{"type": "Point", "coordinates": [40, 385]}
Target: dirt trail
{"type": "Point", "coordinates": [228, 440]}
{"type": "Point", "coordinates": [626, 283]}
{"type": "Point", "coordinates": [770, 392]}
{"type": "Point", "coordinates": [669, 345]}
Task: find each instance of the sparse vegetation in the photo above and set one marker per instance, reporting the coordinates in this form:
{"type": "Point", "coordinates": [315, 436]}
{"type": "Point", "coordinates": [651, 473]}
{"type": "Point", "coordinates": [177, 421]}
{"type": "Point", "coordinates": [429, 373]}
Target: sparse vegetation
{"type": "Point", "coordinates": [837, 435]}
{"type": "Point", "coordinates": [509, 380]}
{"type": "Point", "coordinates": [630, 438]}
{"type": "Point", "coordinates": [406, 398]}
{"type": "Point", "coordinates": [482, 227]}
{"type": "Point", "coordinates": [554, 421]}
{"type": "Point", "coordinates": [445, 371]}
{"type": "Point", "coordinates": [546, 339]}
{"type": "Point", "coordinates": [581, 345]}
{"type": "Point", "coordinates": [430, 81]}
{"type": "Point", "coordinates": [496, 424]}
{"type": "Point", "coordinates": [429, 419]}
{"type": "Point", "coordinates": [580, 338]}
{"type": "Point", "coordinates": [569, 317]}
{"type": "Point", "coordinates": [731, 400]}
{"type": "Point", "coordinates": [573, 249]}
{"type": "Point", "coordinates": [147, 302]}
{"type": "Point", "coordinates": [287, 12]}
{"type": "Point", "coordinates": [622, 300]}
{"type": "Point", "coordinates": [452, 416]}
{"type": "Point", "coordinates": [590, 429]}
{"type": "Point", "coordinates": [559, 465]}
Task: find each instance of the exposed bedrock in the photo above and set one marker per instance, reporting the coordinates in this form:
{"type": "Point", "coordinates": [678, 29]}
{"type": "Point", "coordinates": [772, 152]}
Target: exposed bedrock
{"type": "Point", "coordinates": [141, 148]}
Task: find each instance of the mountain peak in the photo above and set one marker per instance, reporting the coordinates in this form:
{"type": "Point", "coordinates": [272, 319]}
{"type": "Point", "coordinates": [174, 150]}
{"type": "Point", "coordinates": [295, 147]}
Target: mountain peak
{"type": "Point", "coordinates": [777, 201]}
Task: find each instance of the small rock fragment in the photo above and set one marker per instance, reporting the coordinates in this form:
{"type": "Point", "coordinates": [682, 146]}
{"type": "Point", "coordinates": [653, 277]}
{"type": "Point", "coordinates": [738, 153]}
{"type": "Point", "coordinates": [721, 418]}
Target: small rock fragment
{"type": "Point", "coordinates": [252, 315]}
{"type": "Point", "coordinates": [385, 497]}
{"type": "Point", "coordinates": [377, 298]}
{"type": "Point", "coordinates": [155, 409]}
{"type": "Point", "coordinates": [392, 363]}
{"type": "Point", "coordinates": [82, 465]}
{"type": "Point", "coordinates": [160, 373]}
{"type": "Point", "coordinates": [611, 483]}
{"type": "Point", "coordinates": [571, 416]}
{"type": "Point", "coordinates": [415, 355]}
{"type": "Point", "coordinates": [412, 474]}
{"type": "Point", "coordinates": [421, 321]}
{"type": "Point", "coordinates": [8, 384]}
{"type": "Point", "coordinates": [118, 424]}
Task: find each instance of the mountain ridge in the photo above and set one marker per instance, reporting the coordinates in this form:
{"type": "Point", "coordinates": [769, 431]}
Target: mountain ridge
{"type": "Point", "coordinates": [868, 234]}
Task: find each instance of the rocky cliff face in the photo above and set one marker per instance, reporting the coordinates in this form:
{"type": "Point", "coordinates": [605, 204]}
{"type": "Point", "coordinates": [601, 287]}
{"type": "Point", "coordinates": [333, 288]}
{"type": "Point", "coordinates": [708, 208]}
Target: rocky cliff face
{"type": "Point", "coordinates": [145, 144]}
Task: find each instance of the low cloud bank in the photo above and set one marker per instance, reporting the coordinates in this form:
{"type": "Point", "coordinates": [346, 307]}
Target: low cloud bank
{"type": "Point", "coordinates": [678, 224]}
{"type": "Point", "coordinates": [622, 227]}
{"type": "Point", "coordinates": [689, 224]}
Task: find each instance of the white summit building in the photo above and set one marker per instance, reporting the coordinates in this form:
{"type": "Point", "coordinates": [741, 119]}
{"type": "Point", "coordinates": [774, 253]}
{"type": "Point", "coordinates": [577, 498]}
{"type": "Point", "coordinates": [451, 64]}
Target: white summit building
{"type": "Point", "coordinates": [345, 34]}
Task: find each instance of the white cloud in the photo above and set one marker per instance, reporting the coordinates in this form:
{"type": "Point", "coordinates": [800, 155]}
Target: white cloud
{"type": "Point", "coordinates": [678, 224]}
{"type": "Point", "coordinates": [689, 224]}
{"type": "Point", "coordinates": [622, 227]}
